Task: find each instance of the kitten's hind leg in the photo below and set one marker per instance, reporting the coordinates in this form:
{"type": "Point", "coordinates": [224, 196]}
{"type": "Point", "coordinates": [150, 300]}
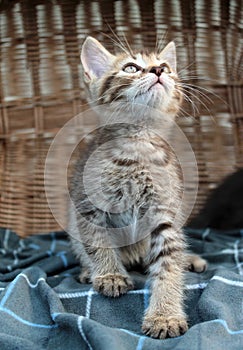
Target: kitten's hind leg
{"type": "Point", "coordinates": [85, 275]}
{"type": "Point", "coordinates": [84, 260]}
{"type": "Point", "coordinates": [195, 263]}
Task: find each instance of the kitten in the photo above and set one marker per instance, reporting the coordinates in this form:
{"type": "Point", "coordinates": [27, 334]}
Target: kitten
{"type": "Point", "coordinates": [145, 160]}
{"type": "Point", "coordinates": [224, 207]}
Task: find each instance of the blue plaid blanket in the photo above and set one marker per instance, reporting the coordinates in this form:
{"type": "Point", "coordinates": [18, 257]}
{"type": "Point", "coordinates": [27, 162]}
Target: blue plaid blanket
{"type": "Point", "coordinates": [43, 306]}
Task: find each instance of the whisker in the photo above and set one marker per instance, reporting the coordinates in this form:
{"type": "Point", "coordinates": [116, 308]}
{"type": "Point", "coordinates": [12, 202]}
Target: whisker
{"type": "Point", "coordinates": [107, 92]}
{"type": "Point", "coordinates": [208, 91]}
{"type": "Point", "coordinates": [117, 41]}
{"type": "Point", "coordinates": [160, 43]}
{"type": "Point", "coordinates": [202, 103]}
{"type": "Point", "coordinates": [195, 109]}
{"type": "Point", "coordinates": [128, 45]}
{"type": "Point", "coordinates": [186, 114]}
{"type": "Point", "coordinates": [195, 77]}
{"type": "Point", "coordinates": [186, 67]}
{"type": "Point", "coordinates": [119, 44]}
{"type": "Point", "coordinates": [196, 90]}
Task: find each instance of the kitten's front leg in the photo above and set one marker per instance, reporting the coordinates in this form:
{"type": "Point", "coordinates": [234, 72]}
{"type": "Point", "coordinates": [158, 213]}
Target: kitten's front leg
{"type": "Point", "coordinates": [165, 316]}
{"type": "Point", "coordinates": [109, 276]}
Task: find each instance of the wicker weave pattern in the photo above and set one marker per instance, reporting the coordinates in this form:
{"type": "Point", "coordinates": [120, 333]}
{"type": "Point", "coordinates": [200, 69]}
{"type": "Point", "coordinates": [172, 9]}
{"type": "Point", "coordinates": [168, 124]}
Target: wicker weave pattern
{"type": "Point", "coordinates": [41, 87]}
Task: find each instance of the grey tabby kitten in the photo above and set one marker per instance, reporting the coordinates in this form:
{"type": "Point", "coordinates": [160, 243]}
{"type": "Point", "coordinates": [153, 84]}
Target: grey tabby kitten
{"type": "Point", "coordinates": [141, 174]}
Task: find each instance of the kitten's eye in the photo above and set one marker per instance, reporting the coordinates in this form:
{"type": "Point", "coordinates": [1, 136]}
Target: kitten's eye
{"type": "Point", "coordinates": [131, 68]}
{"type": "Point", "coordinates": [165, 68]}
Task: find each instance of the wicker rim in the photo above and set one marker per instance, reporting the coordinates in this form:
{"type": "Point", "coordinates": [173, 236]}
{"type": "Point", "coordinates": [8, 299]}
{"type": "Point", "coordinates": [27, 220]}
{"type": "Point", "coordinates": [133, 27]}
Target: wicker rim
{"type": "Point", "coordinates": [41, 86]}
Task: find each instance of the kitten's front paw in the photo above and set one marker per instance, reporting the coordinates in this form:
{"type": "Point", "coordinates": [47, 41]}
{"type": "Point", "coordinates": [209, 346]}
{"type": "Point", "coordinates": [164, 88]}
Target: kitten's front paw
{"type": "Point", "coordinates": [163, 327]}
{"type": "Point", "coordinates": [196, 264]}
{"type": "Point", "coordinates": [112, 285]}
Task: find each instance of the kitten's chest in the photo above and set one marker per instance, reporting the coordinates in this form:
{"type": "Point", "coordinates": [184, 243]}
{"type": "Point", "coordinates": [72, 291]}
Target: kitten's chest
{"type": "Point", "coordinates": [144, 150]}
{"type": "Point", "coordinates": [140, 168]}
{"type": "Point", "coordinates": [133, 157]}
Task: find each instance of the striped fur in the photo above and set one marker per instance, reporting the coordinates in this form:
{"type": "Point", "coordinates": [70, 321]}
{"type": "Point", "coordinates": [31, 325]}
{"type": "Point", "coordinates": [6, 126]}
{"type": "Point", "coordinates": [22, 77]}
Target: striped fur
{"type": "Point", "coordinates": [141, 175]}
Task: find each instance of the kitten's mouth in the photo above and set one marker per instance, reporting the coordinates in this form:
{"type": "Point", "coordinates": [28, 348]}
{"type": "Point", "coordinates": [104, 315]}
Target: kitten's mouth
{"type": "Point", "coordinates": [157, 83]}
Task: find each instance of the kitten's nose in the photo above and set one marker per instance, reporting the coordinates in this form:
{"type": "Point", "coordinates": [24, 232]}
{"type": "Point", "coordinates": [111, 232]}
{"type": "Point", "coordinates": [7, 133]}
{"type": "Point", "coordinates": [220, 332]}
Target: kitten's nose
{"type": "Point", "coordinates": [156, 70]}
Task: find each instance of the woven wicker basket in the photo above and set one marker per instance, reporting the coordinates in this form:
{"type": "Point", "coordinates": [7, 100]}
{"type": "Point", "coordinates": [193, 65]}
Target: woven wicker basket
{"type": "Point", "coordinates": [41, 87]}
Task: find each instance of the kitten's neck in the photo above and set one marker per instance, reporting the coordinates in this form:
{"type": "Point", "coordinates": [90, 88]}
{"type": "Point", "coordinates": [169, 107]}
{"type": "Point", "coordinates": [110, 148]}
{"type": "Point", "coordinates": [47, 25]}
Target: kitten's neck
{"type": "Point", "coordinates": [139, 116]}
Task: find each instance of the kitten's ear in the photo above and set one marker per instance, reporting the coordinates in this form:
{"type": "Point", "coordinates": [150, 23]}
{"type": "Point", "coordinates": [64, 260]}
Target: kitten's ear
{"type": "Point", "coordinates": [168, 54]}
{"type": "Point", "coordinates": [95, 59]}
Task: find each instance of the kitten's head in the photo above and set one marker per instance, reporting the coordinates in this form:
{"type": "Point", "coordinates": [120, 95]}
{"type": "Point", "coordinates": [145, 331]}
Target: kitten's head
{"type": "Point", "coordinates": [144, 78]}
